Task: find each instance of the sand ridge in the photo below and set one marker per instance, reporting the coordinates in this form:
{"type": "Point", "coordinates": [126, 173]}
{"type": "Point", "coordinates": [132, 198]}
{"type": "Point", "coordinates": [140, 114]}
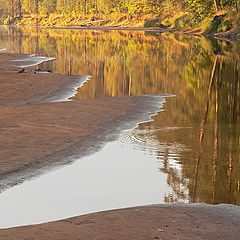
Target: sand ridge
{"type": "Point", "coordinates": [167, 222]}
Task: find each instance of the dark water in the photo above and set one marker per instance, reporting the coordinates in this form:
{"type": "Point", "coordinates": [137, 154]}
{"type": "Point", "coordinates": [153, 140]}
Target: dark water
{"type": "Point", "coordinates": [199, 129]}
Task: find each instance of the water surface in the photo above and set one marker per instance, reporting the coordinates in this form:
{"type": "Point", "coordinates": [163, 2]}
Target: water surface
{"type": "Point", "coordinates": [118, 176]}
{"type": "Point", "coordinates": [190, 151]}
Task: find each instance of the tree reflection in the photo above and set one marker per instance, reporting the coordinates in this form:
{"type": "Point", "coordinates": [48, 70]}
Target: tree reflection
{"type": "Point", "coordinates": [214, 174]}
{"type": "Point", "coordinates": [198, 134]}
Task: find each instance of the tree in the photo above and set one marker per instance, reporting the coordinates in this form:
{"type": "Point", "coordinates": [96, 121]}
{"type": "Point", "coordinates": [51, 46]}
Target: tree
{"type": "Point", "coordinates": [218, 5]}
{"type": "Point", "coordinates": [47, 6]}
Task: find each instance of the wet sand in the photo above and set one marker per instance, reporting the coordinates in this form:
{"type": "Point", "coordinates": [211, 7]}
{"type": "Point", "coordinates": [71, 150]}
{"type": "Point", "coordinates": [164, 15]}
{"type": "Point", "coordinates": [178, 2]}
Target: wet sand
{"type": "Point", "coordinates": [37, 136]}
{"type": "Point", "coordinates": [150, 222]}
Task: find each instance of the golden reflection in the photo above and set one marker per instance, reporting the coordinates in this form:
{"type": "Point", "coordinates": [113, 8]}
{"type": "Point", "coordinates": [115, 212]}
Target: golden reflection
{"type": "Point", "coordinates": [200, 127]}
{"type": "Point", "coordinates": [210, 166]}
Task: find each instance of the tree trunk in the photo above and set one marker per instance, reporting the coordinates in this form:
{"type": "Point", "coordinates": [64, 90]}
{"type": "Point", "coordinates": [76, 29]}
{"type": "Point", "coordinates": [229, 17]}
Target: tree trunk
{"type": "Point", "coordinates": [36, 6]}
{"type": "Point", "coordinates": [96, 7]}
{"type": "Point", "coordinates": [20, 8]}
{"type": "Point", "coordinates": [11, 9]}
{"type": "Point", "coordinates": [202, 127]}
{"type": "Point", "coordinates": [85, 6]}
{"type": "Point", "coordinates": [218, 5]}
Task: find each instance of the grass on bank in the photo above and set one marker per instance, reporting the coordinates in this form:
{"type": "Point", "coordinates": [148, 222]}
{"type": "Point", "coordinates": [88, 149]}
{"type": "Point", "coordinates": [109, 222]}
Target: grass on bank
{"type": "Point", "coordinates": [218, 23]}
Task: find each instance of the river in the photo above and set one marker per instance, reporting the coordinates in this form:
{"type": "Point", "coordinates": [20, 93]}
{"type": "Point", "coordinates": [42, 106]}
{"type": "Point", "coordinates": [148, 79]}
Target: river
{"type": "Point", "coordinates": [189, 152]}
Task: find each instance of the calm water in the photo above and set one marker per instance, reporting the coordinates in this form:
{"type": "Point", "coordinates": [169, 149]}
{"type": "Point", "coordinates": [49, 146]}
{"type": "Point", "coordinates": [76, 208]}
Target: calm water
{"type": "Point", "coordinates": [192, 148]}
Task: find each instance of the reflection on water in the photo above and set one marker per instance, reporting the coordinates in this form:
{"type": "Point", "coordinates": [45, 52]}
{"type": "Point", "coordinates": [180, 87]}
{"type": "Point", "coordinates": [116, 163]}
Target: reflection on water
{"type": "Point", "coordinates": [118, 176]}
{"type": "Point", "coordinates": [196, 139]}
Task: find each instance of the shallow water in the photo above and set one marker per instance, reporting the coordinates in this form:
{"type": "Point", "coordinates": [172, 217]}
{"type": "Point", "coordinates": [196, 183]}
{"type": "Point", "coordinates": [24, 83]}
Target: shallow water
{"type": "Point", "coordinates": [188, 153]}
{"type": "Point", "coordinates": [31, 61]}
{"type": "Point", "coordinates": [116, 177]}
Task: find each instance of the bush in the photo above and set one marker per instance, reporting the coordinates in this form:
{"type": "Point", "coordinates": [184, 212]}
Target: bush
{"type": "Point", "coordinates": [225, 26]}
{"type": "Point", "coordinates": [183, 22]}
{"type": "Point", "coordinates": [153, 23]}
{"type": "Point", "coordinates": [210, 26]}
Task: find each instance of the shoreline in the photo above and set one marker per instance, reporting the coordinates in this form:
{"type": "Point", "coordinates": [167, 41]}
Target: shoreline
{"type": "Point", "coordinates": [37, 135]}
{"type": "Point", "coordinates": [228, 36]}
{"type": "Point", "coordinates": [39, 132]}
{"type": "Point", "coordinates": [109, 28]}
{"type": "Point", "coordinates": [166, 221]}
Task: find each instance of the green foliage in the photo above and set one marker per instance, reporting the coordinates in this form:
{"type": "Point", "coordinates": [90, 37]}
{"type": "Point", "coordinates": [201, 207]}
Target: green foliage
{"type": "Point", "coordinates": [225, 26]}
{"type": "Point", "coordinates": [230, 21]}
{"type": "Point", "coordinates": [180, 14]}
{"type": "Point", "coordinates": [183, 22]}
{"type": "Point", "coordinates": [210, 26]}
{"type": "Point", "coordinates": [47, 6]}
{"type": "Point", "coordinates": [200, 8]}
{"type": "Point", "coordinates": [221, 23]}
{"type": "Point", "coordinates": [153, 23]}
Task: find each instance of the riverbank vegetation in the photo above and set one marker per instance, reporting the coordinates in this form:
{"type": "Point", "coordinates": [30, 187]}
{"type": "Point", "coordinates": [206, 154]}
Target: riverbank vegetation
{"type": "Point", "coordinates": [205, 16]}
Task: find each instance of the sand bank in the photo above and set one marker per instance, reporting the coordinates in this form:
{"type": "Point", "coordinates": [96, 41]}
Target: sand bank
{"type": "Point", "coordinates": [37, 135]}
{"type": "Point", "coordinates": [150, 222]}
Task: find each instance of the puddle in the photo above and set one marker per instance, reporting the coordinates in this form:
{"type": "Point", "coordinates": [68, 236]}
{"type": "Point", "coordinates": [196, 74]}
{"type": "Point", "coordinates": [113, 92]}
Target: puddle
{"type": "Point", "coordinates": [119, 176]}
{"type": "Point", "coordinates": [32, 60]}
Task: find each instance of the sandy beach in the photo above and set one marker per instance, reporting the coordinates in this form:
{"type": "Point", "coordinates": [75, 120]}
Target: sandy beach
{"type": "Point", "coordinates": [149, 222]}
{"type": "Point", "coordinates": [38, 135]}
{"type": "Point", "coordinates": [34, 131]}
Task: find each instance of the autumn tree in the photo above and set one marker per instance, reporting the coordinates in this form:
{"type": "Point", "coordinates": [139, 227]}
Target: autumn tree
{"type": "Point", "coordinates": [218, 5]}
{"type": "Point", "coordinates": [47, 6]}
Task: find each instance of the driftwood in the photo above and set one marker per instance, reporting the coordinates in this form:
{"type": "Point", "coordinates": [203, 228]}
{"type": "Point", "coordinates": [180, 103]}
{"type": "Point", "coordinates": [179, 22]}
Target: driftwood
{"type": "Point", "coordinates": [30, 70]}
{"type": "Point", "coordinates": [96, 21]}
{"type": "Point", "coordinates": [22, 70]}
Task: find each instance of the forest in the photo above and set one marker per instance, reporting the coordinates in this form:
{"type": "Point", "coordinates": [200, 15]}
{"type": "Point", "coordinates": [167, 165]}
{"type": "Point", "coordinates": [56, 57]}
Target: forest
{"type": "Point", "coordinates": [179, 14]}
